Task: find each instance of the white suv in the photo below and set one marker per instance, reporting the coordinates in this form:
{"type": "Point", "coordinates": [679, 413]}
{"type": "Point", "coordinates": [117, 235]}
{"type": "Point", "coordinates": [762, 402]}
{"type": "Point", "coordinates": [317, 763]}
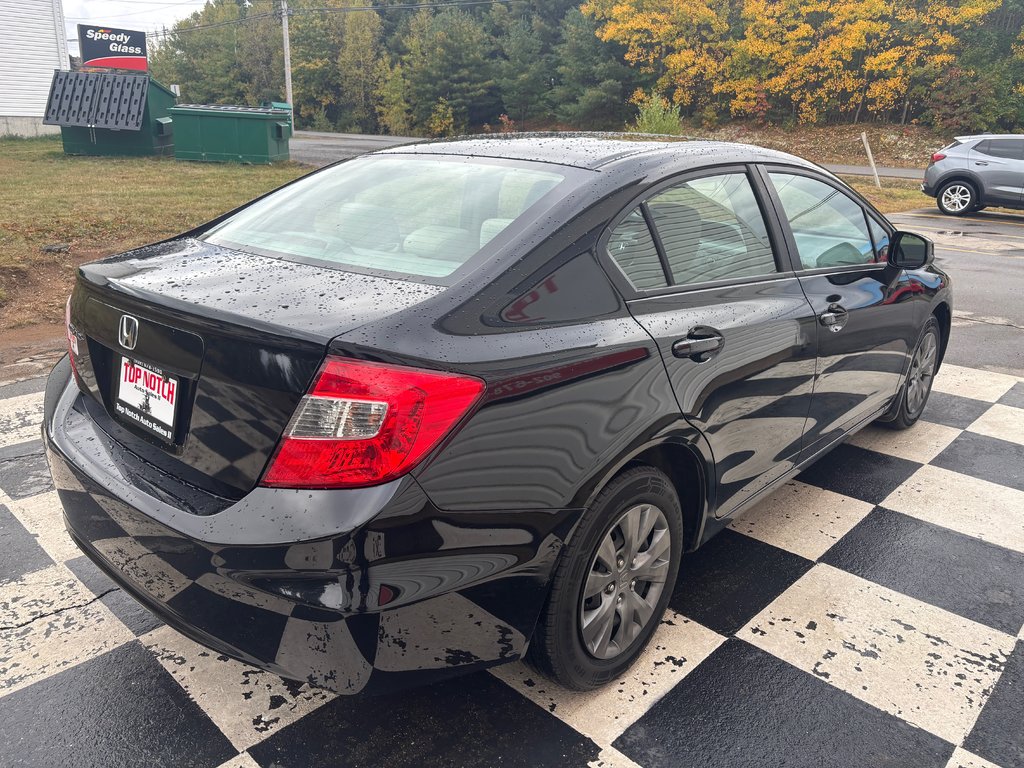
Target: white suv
{"type": "Point", "coordinates": [977, 171]}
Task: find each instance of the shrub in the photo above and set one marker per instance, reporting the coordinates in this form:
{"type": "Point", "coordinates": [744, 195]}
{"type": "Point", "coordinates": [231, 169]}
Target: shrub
{"type": "Point", "coordinates": [656, 115]}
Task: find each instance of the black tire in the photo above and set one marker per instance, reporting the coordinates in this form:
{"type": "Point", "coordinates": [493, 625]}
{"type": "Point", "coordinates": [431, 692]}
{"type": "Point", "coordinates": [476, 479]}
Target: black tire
{"type": "Point", "coordinates": [978, 207]}
{"type": "Point", "coordinates": [558, 649]}
{"type": "Point", "coordinates": [956, 198]}
{"type": "Point", "coordinates": [913, 396]}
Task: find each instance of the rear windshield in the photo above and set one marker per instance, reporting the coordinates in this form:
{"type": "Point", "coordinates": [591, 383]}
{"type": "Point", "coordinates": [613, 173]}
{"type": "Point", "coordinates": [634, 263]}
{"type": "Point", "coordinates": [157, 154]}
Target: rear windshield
{"type": "Point", "coordinates": [400, 214]}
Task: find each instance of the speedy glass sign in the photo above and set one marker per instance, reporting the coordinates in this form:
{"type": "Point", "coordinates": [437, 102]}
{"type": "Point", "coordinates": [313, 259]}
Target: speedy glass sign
{"type": "Point", "coordinates": [112, 48]}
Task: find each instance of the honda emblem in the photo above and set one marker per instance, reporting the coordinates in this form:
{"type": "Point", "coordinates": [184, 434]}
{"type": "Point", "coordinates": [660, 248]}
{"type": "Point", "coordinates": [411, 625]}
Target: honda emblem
{"type": "Point", "coordinates": [128, 332]}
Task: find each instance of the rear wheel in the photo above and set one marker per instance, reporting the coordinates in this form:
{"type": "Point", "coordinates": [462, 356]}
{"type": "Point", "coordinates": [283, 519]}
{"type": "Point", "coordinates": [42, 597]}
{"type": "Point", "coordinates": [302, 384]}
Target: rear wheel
{"type": "Point", "coordinates": [613, 582]}
{"type": "Point", "coordinates": [914, 395]}
{"type": "Point", "coordinates": [955, 198]}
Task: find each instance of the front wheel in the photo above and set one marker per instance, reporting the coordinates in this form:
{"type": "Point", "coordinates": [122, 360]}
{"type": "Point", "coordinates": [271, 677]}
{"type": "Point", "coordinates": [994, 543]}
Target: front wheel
{"type": "Point", "coordinates": [956, 198]}
{"type": "Point", "coordinates": [914, 395]}
{"type": "Point", "coordinates": [612, 583]}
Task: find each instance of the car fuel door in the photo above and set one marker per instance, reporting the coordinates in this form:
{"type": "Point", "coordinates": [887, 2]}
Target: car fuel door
{"type": "Point", "coordinates": [734, 329]}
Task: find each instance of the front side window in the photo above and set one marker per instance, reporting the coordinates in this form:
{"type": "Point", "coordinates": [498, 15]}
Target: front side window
{"type": "Point", "coordinates": [712, 228]}
{"type": "Point", "coordinates": [829, 227]}
{"type": "Point", "coordinates": [412, 215]}
{"type": "Point", "coordinates": [881, 238]}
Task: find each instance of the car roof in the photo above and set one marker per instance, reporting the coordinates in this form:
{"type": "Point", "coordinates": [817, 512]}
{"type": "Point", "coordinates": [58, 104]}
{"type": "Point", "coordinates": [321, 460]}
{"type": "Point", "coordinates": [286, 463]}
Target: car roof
{"type": "Point", "coordinates": [975, 136]}
{"type": "Point", "coordinates": [593, 151]}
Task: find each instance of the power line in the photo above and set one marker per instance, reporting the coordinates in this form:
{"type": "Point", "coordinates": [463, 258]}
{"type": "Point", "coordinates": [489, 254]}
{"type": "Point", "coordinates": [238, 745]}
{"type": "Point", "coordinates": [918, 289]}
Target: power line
{"type": "Point", "coordinates": [165, 6]}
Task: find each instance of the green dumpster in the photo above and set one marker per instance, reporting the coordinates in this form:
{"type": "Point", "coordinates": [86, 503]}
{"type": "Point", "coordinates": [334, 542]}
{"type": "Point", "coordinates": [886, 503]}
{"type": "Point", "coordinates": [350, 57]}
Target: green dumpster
{"type": "Point", "coordinates": [228, 133]}
{"type": "Point", "coordinates": [110, 113]}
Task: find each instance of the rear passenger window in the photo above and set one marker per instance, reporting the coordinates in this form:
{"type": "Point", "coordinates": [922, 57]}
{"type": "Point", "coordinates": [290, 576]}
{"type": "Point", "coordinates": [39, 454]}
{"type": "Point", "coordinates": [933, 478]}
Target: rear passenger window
{"type": "Point", "coordinates": [633, 249]}
{"type": "Point", "coordinates": [1011, 149]}
{"type": "Point", "coordinates": [830, 228]}
{"type": "Point", "coordinates": [712, 229]}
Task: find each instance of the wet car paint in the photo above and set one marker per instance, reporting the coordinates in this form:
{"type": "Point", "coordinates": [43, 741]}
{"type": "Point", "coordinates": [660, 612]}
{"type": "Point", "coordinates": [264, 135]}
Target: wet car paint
{"type": "Point", "coordinates": [446, 569]}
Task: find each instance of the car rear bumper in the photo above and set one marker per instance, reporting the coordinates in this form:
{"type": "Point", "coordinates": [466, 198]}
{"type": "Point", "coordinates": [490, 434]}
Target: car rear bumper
{"type": "Point", "coordinates": [351, 591]}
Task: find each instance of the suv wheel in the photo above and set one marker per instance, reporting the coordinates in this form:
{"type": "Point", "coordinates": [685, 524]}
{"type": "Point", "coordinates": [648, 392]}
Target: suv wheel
{"type": "Point", "coordinates": [612, 583]}
{"type": "Point", "coordinates": [956, 198]}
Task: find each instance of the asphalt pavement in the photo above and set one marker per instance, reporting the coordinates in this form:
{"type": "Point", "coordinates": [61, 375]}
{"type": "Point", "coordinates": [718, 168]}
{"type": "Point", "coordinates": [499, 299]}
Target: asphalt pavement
{"type": "Point", "coordinates": [984, 254]}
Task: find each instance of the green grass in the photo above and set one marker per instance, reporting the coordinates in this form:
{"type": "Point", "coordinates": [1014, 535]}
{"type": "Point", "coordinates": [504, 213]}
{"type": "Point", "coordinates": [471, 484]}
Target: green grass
{"type": "Point", "coordinates": [100, 206]}
{"type": "Point", "coordinates": [895, 195]}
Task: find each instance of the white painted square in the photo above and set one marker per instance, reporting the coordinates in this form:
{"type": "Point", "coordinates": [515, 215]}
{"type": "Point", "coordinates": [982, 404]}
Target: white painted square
{"type": "Point", "coordinates": [963, 759]}
{"type": "Point", "coordinates": [802, 519]}
{"type": "Point", "coordinates": [246, 703]}
{"type": "Point", "coordinates": [920, 663]}
{"type": "Point", "coordinates": [43, 517]}
{"type": "Point", "coordinates": [243, 760]}
{"type": "Point", "coordinates": [971, 382]}
{"type": "Point", "coordinates": [20, 418]}
{"type": "Point", "coordinates": [677, 647]}
{"type": "Point", "coordinates": [49, 622]}
{"type": "Point", "coordinates": [1001, 421]}
{"type": "Point", "coordinates": [921, 444]}
{"type": "Point", "coordinates": [973, 507]}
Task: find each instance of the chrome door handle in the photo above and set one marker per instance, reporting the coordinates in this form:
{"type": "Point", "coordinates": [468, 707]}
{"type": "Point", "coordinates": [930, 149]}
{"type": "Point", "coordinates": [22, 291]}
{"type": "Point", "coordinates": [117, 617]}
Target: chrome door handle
{"type": "Point", "coordinates": [698, 348]}
{"type": "Point", "coordinates": [834, 318]}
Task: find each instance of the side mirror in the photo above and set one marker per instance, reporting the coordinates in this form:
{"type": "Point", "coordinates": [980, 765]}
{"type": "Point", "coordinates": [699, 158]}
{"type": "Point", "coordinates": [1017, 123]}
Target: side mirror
{"type": "Point", "coordinates": [908, 250]}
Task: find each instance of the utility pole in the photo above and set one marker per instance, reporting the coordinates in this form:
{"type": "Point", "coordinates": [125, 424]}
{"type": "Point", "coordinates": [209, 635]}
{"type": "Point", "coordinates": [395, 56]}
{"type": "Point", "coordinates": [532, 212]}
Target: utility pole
{"type": "Point", "coordinates": [287, 60]}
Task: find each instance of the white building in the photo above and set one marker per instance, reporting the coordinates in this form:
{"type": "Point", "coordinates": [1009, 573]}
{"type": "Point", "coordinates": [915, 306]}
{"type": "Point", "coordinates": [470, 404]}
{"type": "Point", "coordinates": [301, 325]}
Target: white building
{"type": "Point", "coordinates": [32, 45]}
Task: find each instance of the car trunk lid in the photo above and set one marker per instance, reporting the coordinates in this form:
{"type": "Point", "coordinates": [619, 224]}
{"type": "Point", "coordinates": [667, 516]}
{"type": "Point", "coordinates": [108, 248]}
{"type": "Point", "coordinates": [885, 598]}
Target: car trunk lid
{"type": "Point", "coordinates": [196, 356]}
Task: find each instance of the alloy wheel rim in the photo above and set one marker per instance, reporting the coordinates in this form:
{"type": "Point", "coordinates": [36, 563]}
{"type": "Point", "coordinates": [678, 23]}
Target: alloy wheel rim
{"type": "Point", "coordinates": [922, 370]}
{"type": "Point", "coordinates": [625, 581]}
{"type": "Point", "coordinates": [956, 197]}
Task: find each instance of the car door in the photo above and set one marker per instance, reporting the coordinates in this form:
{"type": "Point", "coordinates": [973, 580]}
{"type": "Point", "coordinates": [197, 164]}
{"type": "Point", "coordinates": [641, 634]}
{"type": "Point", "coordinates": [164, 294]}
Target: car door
{"type": "Point", "coordinates": [999, 163]}
{"type": "Point", "coordinates": [702, 275]}
{"type": "Point", "coordinates": [865, 321]}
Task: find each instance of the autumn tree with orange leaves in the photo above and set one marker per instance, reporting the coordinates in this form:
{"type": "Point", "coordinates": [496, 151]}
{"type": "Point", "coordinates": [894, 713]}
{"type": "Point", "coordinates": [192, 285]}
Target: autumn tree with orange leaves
{"type": "Point", "coordinates": [813, 59]}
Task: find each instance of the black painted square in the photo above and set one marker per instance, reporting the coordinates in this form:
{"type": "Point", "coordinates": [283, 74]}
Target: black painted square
{"type": "Point", "coordinates": [998, 735]}
{"type": "Point", "coordinates": [18, 450]}
{"type": "Point", "coordinates": [470, 721]}
{"type": "Point", "coordinates": [1015, 397]}
{"type": "Point", "coordinates": [118, 709]}
{"type": "Point", "coordinates": [731, 579]}
{"type": "Point", "coordinates": [771, 714]}
{"type": "Point", "coordinates": [25, 476]}
{"type": "Point", "coordinates": [19, 551]}
{"type": "Point", "coordinates": [127, 609]}
{"type": "Point", "coordinates": [967, 576]}
{"type": "Point", "coordinates": [987, 458]}
{"type": "Point", "coordinates": [953, 410]}
{"type": "Point", "coordinates": [860, 473]}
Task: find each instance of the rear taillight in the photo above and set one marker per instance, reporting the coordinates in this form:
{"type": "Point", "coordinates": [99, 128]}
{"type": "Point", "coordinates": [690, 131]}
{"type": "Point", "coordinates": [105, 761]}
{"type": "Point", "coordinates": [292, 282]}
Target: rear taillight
{"type": "Point", "coordinates": [366, 423]}
{"type": "Point", "coordinates": [72, 337]}
{"type": "Point", "coordinates": [938, 156]}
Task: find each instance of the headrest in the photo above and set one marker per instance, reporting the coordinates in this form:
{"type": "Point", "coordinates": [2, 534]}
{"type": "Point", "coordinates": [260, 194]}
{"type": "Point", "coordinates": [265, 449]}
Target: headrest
{"type": "Point", "coordinates": [438, 242]}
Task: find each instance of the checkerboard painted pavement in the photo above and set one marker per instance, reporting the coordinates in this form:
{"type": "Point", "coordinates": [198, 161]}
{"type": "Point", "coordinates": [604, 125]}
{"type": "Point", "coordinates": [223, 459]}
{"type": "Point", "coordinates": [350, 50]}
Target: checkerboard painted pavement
{"type": "Point", "coordinates": [869, 613]}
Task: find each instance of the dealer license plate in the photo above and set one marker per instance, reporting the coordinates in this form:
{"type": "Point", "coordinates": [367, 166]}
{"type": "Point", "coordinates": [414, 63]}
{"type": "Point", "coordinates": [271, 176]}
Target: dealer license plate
{"type": "Point", "coordinates": [147, 397]}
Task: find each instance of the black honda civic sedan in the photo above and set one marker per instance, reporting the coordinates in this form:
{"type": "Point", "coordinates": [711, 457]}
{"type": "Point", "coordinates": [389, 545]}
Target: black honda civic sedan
{"type": "Point", "coordinates": [455, 403]}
